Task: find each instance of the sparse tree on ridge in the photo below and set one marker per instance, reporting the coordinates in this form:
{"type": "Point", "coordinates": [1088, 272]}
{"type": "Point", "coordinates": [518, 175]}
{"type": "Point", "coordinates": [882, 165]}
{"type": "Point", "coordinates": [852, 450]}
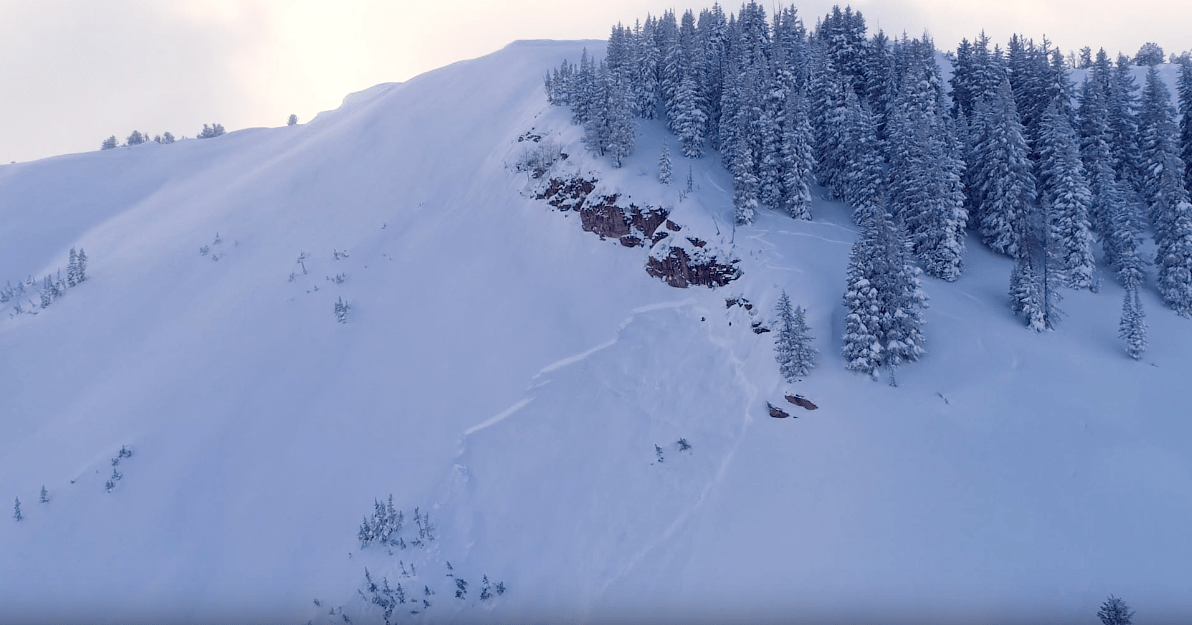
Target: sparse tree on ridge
{"type": "Point", "coordinates": [1115, 612]}
{"type": "Point", "coordinates": [292, 121]}
{"type": "Point", "coordinates": [1149, 54]}
{"type": "Point", "coordinates": [109, 143]}
{"type": "Point", "coordinates": [210, 131]}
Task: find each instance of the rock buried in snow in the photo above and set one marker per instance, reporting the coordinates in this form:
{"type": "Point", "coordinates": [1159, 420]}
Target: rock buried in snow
{"type": "Point", "coordinates": [801, 402]}
{"type": "Point", "coordinates": [776, 412]}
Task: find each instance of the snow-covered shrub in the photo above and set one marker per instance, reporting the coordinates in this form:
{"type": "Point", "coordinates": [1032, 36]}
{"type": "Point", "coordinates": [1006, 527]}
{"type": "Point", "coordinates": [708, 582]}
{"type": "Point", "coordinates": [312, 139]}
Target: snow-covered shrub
{"type": "Point", "coordinates": [538, 158]}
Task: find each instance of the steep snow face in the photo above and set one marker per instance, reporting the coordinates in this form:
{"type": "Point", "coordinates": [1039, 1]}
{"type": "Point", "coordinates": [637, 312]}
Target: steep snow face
{"type": "Point", "coordinates": [527, 386]}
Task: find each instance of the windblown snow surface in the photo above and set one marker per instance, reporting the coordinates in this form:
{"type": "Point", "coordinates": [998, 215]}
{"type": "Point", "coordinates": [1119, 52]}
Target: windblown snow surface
{"type": "Point", "coordinates": [511, 376]}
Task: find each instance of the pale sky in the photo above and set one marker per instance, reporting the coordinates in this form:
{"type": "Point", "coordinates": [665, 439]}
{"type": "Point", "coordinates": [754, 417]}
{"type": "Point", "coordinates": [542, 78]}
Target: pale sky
{"type": "Point", "coordinates": [74, 72]}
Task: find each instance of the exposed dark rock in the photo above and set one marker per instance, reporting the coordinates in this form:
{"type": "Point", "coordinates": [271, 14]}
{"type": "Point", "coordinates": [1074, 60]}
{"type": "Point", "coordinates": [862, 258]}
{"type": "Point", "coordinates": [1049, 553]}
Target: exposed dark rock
{"type": "Point", "coordinates": [567, 194]}
{"type": "Point", "coordinates": [697, 242]}
{"type": "Point", "coordinates": [678, 270]}
{"type": "Point", "coordinates": [801, 402]}
{"type": "Point", "coordinates": [672, 226]}
{"type": "Point", "coordinates": [630, 241]}
{"type": "Point", "coordinates": [758, 328]}
{"type": "Point", "coordinates": [776, 412]}
{"type": "Point", "coordinates": [648, 220]}
{"type": "Point", "coordinates": [658, 236]}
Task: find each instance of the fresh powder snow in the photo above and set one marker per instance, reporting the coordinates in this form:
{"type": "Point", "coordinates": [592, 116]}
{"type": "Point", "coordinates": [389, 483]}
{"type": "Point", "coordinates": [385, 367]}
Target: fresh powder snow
{"type": "Point", "coordinates": [591, 441]}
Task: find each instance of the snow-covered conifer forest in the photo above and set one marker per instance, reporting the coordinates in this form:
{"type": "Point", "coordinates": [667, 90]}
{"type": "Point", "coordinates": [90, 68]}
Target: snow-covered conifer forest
{"type": "Point", "coordinates": [740, 316]}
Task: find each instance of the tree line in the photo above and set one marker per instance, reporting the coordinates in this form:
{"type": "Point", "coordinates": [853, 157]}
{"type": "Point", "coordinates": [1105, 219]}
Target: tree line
{"type": "Point", "coordinates": [1038, 168]}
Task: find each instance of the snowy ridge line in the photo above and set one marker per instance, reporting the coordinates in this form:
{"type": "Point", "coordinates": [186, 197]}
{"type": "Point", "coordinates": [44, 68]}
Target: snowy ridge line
{"type": "Point", "coordinates": [500, 416]}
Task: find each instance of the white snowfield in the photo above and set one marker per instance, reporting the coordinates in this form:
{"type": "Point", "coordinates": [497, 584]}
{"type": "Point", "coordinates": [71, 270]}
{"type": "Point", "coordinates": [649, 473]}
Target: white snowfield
{"type": "Point", "coordinates": [526, 385]}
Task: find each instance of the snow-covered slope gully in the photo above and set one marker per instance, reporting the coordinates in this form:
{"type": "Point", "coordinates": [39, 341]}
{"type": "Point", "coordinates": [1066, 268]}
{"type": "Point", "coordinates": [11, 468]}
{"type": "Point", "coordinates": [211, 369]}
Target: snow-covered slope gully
{"type": "Point", "coordinates": [593, 442]}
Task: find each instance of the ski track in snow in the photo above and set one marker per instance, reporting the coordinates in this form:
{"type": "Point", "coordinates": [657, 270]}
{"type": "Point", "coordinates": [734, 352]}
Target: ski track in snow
{"type": "Point", "coordinates": [718, 479]}
{"type": "Point", "coordinates": [814, 236]}
{"type": "Point", "coordinates": [570, 360]}
{"type": "Point", "coordinates": [499, 417]}
{"type": "Point", "coordinates": [559, 364]}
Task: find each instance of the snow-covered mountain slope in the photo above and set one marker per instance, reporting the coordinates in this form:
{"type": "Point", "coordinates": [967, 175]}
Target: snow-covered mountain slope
{"type": "Point", "coordinates": [526, 385]}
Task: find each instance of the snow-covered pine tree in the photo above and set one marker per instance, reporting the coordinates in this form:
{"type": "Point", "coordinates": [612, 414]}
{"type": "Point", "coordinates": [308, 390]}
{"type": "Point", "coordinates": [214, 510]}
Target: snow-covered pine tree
{"type": "Point", "coordinates": [690, 121]}
{"type": "Point", "coordinates": [81, 267]}
{"type": "Point", "coordinates": [45, 495]}
{"type": "Point", "coordinates": [863, 351]}
{"type": "Point", "coordinates": [743, 152]}
{"type": "Point", "coordinates": [1112, 200]}
{"type": "Point", "coordinates": [797, 158]}
{"type": "Point", "coordinates": [1123, 239]}
{"type": "Point", "coordinates": [769, 129]}
{"type": "Point", "coordinates": [581, 89]}
{"type": "Point", "coordinates": [16, 510]}
{"type": "Point", "coordinates": [712, 39]}
{"type": "Point", "coordinates": [1115, 612]}
{"type": "Point", "coordinates": [1003, 172]}
{"type": "Point", "coordinates": [1158, 143]}
{"type": "Point", "coordinates": [1122, 101]}
{"type": "Point", "coordinates": [925, 190]}
{"type": "Point", "coordinates": [1066, 196]}
{"type": "Point", "coordinates": [622, 129]}
{"type": "Point", "coordinates": [292, 120]}
{"type": "Point", "coordinates": [597, 129]}
{"type": "Point", "coordinates": [1184, 89]}
{"type": "Point", "coordinates": [646, 60]}
{"type": "Point", "coordinates": [1170, 210]}
{"type": "Point", "coordinates": [72, 268]}
{"type": "Point", "coordinates": [1033, 285]}
{"type": "Point", "coordinates": [880, 81]}
{"type": "Point", "coordinates": [671, 67]}
{"type": "Point", "coordinates": [1132, 328]}
{"type": "Point", "coordinates": [884, 300]}
{"type": "Point", "coordinates": [1173, 255]}
{"type": "Point", "coordinates": [864, 172]}
{"type": "Point", "coordinates": [792, 344]}
{"type": "Point", "coordinates": [664, 165]}
{"type": "Point", "coordinates": [109, 143]}
{"type": "Point", "coordinates": [830, 116]}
